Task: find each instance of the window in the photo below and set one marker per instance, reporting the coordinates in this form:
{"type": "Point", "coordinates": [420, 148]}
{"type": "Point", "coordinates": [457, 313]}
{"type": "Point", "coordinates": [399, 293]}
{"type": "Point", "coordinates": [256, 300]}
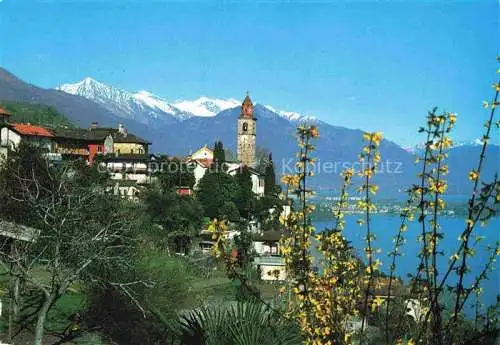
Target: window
{"type": "Point", "coordinates": [132, 151]}
{"type": "Point", "coordinates": [245, 127]}
{"type": "Point", "coordinates": [99, 148]}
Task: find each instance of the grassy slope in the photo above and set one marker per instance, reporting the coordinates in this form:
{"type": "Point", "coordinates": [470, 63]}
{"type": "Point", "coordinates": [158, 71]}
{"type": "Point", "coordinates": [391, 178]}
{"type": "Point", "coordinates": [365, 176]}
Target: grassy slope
{"type": "Point", "coordinates": [39, 114]}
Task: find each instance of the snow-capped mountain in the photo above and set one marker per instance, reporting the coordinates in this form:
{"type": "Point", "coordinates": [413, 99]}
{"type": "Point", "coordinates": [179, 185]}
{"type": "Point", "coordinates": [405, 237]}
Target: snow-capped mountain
{"type": "Point", "coordinates": [142, 106]}
{"type": "Point", "coordinates": [205, 106]}
{"type": "Point", "coordinates": [337, 144]}
{"type": "Point", "coordinates": [290, 115]}
{"type": "Point", "coordinates": [149, 109]}
{"type": "Point", "coordinates": [419, 148]}
{"type": "Point", "coordinates": [155, 102]}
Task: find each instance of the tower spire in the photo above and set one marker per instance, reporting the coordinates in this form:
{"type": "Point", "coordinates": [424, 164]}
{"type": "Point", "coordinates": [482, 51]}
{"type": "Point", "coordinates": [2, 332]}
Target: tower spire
{"type": "Point", "coordinates": [246, 133]}
{"type": "Point", "coordinates": [247, 107]}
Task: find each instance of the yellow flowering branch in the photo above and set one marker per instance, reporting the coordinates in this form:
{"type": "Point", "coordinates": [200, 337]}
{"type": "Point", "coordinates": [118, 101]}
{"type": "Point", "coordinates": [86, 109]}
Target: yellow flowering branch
{"type": "Point", "coordinates": [324, 300]}
{"type": "Point", "coordinates": [369, 157]}
{"type": "Point", "coordinates": [406, 215]}
{"type": "Point", "coordinates": [477, 204]}
{"type": "Point", "coordinates": [472, 210]}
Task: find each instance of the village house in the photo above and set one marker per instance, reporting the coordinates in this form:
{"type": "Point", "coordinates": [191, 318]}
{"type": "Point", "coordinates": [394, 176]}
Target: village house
{"type": "Point", "coordinates": [199, 162]}
{"type": "Point", "coordinates": [126, 189]}
{"type": "Point", "coordinates": [105, 140]}
{"type": "Point", "coordinates": [269, 262]}
{"type": "Point", "coordinates": [201, 154]}
{"type": "Point", "coordinates": [271, 268]}
{"type": "Point", "coordinates": [257, 178]}
{"type": "Point", "coordinates": [131, 167]}
{"type": "Point", "coordinates": [266, 243]}
{"type": "Point", "coordinates": [202, 160]}
{"type": "Point", "coordinates": [127, 143]}
{"type": "Point", "coordinates": [199, 167]}
{"type": "Point", "coordinates": [71, 143]}
{"type": "Point", "coordinates": [4, 117]}
{"type": "Point", "coordinates": [11, 134]}
{"type": "Point", "coordinates": [123, 155]}
{"type": "Point", "coordinates": [184, 191]}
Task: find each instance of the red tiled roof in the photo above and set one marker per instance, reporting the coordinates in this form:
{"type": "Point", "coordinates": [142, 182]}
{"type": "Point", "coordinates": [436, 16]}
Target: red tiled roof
{"type": "Point", "coordinates": [4, 112]}
{"type": "Point", "coordinates": [184, 191]}
{"type": "Point", "coordinates": [206, 163]}
{"type": "Point", "coordinates": [26, 129]}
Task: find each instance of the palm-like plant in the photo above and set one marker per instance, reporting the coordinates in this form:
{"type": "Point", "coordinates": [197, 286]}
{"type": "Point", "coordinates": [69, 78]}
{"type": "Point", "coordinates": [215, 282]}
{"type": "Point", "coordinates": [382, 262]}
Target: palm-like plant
{"type": "Point", "coordinates": [244, 323]}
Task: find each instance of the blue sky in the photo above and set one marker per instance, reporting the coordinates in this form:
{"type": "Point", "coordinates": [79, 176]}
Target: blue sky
{"type": "Point", "coordinates": [369, 65]}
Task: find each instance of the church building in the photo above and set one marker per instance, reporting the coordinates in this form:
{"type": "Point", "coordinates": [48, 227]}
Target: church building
{"type": "Point", "coordinates": [246, 132]}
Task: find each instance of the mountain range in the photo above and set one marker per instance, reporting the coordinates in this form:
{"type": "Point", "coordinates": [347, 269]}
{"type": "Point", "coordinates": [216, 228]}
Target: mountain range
{"type": "Point", "coordinates": [149, 109]}
{"type": "Point", "coordinates": [181, 126]}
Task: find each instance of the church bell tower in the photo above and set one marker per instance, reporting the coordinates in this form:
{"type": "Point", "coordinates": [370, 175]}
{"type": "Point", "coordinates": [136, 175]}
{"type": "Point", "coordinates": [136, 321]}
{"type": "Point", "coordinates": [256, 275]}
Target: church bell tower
{"type": "Point", "coordinates": [246, 133]}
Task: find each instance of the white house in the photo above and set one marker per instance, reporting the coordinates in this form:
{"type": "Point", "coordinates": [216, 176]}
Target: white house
{"type": "Point", "coordinates": [199, 162]}
{"type": "Point", "coordinates": [271, 268]}
{"type": "Point", "coordinates": [202, 159]}
{"type": "Point", "coordinates": [269, 262]}
{"type": "Point", "coordinates": [199, 168]}
{"type": "Point", "coordinates": [202, 154]}
{"type": "Point", "coordinates": [285, 212]}
{"type": "Point", "coordinates": [135, 171]}
{"type": "Point", "coordinates": [12, 135]}
{"type": "Point", "coordinates": [130, 167]}
{"type": "Point", "coordinates": [125, 189]}
{"type": "Point", "coordinates": [266, 243]}
{"type": "Point", "coordinates": [257, 178]}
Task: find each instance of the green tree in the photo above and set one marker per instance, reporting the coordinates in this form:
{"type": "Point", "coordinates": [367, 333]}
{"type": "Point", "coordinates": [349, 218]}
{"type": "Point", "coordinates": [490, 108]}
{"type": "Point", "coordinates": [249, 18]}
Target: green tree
{"type": "Point", "coordinates": [81, 231]}
{"type": "Point", "coordinates": [175, 173]}
{"type": "Point", "coordinates": [89, 175]}
{"type": "Point", "coordinates": [269, 177]}
{"type": "Point", "coordinates": [243, 243]}
{"type": "Point", "coordinates": [261, 159]}
{"type": "Point", "coordinates": [21, 165]}
{"type": "Point", "coordinates": [179, 216]}
{"type": "Point", "coordinates": [245, 197]}
{"type": "Point", "coordinates": [230, 155]}
{"type": "Point", "coordinates": [215, 188]}
{"type": "Point", "coordinates": [219, 154]}
{"type": "Point", "coordinates": [229, 211]}
{"type": "Point", "coordinates": [148, 318]}
{"type": "Point", "coordinates": [268, 209]}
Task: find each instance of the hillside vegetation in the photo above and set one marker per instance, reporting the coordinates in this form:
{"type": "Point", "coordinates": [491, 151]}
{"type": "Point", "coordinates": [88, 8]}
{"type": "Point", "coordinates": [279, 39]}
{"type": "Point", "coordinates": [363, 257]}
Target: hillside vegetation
{"type": "Point", "coordinates": [39, 114]}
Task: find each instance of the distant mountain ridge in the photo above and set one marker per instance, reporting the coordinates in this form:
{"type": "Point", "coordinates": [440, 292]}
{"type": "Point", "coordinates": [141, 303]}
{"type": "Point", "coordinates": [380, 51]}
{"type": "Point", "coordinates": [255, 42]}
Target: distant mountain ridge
{"type": "Point", "coordinates": [75, 108]}
{"type": "Point", "coordinates": [205, 106]}
{"type": "Point", "coordinates": [419, 148]}
{"type": "Point", "coordinates": [181, 127]}
{"type": "Point", "coordinates": [142, 106]}
{"type": "Point", "coordinates": [149, 109]}
{"type": "Point", "coordinates": [336, 149]}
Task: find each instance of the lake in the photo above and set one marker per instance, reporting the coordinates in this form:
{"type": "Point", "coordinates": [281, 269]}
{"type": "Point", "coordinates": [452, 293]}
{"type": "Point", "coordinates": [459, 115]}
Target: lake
{"type": "Point", "coordinates": [385, 227]}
